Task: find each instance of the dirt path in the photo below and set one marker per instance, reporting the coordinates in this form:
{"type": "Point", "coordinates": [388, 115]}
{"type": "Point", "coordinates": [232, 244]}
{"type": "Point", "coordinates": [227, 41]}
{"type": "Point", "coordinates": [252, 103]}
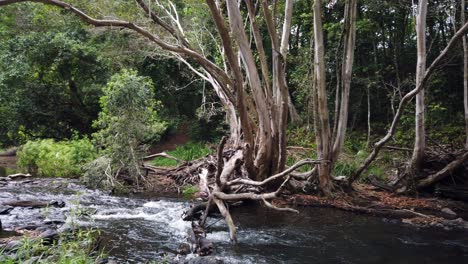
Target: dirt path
{"type": "Point", "coordinates": [180, 137]}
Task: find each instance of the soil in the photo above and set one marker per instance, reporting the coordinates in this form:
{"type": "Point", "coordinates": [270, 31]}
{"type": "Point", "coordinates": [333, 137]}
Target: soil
{"type": "Point", "coordinates": [8, 162]}
{"type": "Point", "coordinates": [180, 137]}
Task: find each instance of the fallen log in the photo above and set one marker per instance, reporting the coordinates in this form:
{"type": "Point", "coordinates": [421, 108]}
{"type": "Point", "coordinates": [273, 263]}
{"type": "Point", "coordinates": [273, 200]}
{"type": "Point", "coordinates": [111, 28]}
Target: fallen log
{"type": "Point", "coordinates": [446, 171]}
{"type": "Point", "coordinates": [18, 176]}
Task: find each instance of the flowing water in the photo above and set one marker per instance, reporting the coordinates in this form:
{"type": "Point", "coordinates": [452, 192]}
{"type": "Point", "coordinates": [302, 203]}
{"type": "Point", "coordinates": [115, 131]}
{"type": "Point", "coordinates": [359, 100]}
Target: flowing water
{"type": "Point", "coordinates": [136, 229]}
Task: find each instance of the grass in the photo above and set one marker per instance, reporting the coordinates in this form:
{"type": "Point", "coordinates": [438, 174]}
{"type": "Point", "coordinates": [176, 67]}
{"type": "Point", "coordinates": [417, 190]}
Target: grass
{"type": "Point", "coordinates": [353, 155]}
{"type": "Point", "coordinates": [187, 152]}
{"type": "Point", "coordinates": [75, 248]}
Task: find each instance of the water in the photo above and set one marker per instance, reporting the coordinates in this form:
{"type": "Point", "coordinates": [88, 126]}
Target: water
{"type": "Point", "coordinates": [136, 230]}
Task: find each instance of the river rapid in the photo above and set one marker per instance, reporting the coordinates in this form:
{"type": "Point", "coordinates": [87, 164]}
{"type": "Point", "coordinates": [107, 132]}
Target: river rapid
{"type": "Point", "coordinates": [139, 229]}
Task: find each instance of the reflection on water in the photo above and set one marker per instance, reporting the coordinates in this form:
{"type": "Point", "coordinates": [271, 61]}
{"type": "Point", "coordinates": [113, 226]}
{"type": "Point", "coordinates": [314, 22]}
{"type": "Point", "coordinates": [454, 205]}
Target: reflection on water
{"type": "Point", "coordinates": [137, 230]}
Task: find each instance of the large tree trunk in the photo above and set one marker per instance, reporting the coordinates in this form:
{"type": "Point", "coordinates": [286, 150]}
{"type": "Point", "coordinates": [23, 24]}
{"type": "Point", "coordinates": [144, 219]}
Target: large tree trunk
{"type": "Point", "coordinates": [322, 124]}
{"type": "Point", "coordinates": [346, 71]}
{"type": "Point", "coordinates": [420, 132]}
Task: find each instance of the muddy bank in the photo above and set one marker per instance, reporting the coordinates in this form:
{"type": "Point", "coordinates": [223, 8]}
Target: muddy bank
{"type": "Point", "coordinates": [8, 162]}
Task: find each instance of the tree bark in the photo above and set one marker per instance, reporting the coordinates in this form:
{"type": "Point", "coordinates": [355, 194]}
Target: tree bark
{"type": "Point", "coordinates": [347, 70]}
{"type": "Point", "coordinates": [420, 132]}
{"type": "Point", "coordinates": [322, 124]}
{"type": "Point", "coordinates": [465, 72]}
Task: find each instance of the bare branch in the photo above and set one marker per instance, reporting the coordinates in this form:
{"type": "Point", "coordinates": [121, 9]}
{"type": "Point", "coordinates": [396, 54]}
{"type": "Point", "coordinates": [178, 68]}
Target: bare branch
{"type": "Point", "coordinates": [277, 176]}
{"type": "Point", "coordinates": [270, 205]}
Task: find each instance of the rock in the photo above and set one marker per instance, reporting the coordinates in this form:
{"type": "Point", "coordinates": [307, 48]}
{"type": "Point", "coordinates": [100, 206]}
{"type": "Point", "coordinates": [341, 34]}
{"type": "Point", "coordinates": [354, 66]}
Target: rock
{"type": "Point", "coordinates": [28, 227]}
{"type": "Point", "coordinates": [184, 249]}
{"type": "Point", "coordinates": [203, 260]}
{"type": "Point", "coordinates": [49, 235]}
{"type": "Point", "coordinates": [13, 245]}
{"type": "Point", "coordinates": [406, 221]}
{"type": "Point", "coordinates": [34, 204]}
{"type": "Point", "coordinates": [31, 260]}
{"type": "Point", "coordinates": [42, 228]}
{"type": "Point", "coordinates": [5, 210]}
{"type": "Point", "coordinates": [54, 221]}
{"type": "Point", "coordinates": [205, 247]}
{"type": "Point", "coordinates": [448, 211]}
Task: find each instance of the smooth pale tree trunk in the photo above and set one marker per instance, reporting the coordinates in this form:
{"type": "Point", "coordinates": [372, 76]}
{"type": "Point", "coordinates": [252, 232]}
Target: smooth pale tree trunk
{"type": "Point", "coordinates": [420, 132]}
{"type": "Point", "coordinates": [369, 128]}
{"type": "Point", "coordinates": [321, 119]}
{"type": "Point", "coordinates": [465, 73]}
{"type": "Point", "coordinates": [288, 12]}
{"type": "Point", "coordinates": [346, 74]}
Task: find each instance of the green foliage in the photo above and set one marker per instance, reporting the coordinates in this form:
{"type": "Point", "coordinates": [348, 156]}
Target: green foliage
{"type": "Point", "coordinates": [56, 159]}
{"type": "Point", "coordinates": [187, 152]}
{"type": "Point", "coordinates": [189, 190]}
{"type": "Point", "coordinates": [301, 137]}
{"type": "Point", "coordinates": [50, 85]}
{"type": "Point", "coordinates": [77, 248]}
{"type": "Point", "coordinates": [127, 120]}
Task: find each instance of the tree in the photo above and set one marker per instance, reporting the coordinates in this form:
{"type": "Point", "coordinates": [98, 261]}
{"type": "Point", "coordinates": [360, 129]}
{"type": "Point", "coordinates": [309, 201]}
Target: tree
{"type": "Point", "coordinates": [420, 136]}
{"type": "Point", "coordinates": [406, 99]}
{"type": "Point", "coordinates": [49, 85]}
{"type": "Point", "coordinates": [128, 120]}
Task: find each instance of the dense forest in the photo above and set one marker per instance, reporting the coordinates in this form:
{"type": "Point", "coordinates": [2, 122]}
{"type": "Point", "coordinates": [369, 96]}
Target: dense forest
{"type": "Point", "coordinates": [357, 105]}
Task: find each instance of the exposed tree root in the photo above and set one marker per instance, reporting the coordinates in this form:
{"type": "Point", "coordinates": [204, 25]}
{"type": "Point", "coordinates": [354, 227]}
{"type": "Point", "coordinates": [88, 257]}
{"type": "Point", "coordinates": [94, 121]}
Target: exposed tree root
{"type": "Point", "coordinates": [223, 179]}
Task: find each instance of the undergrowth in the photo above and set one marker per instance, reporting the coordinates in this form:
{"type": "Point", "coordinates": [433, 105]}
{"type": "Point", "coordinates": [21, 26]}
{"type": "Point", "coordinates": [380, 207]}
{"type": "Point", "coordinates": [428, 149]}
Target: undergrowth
{"type": "Point", "coordinates": [187, 152]}
{"type": "Point", "coordinates": [49, 158]}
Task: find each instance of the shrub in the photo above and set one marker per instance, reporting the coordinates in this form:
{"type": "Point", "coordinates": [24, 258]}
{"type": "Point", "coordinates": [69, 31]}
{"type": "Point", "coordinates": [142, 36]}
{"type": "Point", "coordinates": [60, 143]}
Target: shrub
{"type": "Point", "coordinates": [60, 159]}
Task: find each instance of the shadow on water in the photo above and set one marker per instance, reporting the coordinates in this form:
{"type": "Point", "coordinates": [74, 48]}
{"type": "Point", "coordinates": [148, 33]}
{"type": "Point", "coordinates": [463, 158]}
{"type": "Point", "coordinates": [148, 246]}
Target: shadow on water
{"type": "Point", "coordinates": [136, 230]}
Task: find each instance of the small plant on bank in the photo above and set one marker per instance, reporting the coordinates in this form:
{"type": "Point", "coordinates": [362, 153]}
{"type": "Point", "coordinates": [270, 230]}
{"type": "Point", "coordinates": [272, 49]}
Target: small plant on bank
{"type": "Point", "coordinates": [79, 247]}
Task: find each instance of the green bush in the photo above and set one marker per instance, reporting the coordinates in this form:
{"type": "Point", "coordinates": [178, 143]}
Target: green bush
{"type": "Point", "coordinates": [60, 159]}
{"type": "Point", "coordinates": [187, 152]}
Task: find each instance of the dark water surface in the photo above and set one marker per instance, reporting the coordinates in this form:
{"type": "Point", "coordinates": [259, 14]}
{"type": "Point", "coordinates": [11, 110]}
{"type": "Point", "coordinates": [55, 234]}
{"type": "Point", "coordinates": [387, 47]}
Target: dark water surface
{"type": "Point", "coordinates": [136, 230]}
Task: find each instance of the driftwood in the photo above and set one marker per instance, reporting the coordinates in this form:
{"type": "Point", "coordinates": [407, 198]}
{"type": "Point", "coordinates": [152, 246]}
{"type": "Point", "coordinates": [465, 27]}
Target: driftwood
{"type": "Point", "coordinates": [18, 176]}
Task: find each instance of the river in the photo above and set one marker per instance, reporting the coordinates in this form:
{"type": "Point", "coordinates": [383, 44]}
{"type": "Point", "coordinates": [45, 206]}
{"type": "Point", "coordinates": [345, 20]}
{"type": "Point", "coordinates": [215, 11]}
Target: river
{"type": "Point", "coordinates": [138, 229]}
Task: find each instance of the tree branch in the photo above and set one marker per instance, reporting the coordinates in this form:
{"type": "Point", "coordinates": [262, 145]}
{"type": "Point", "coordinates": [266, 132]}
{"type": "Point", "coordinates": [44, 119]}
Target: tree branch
{"type": "Point", "coordinates": [217, 72]}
